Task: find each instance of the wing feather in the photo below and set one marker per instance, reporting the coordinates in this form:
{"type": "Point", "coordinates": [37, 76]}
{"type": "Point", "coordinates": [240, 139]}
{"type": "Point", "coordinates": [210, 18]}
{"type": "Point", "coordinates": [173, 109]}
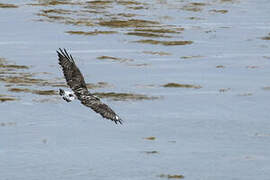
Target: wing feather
{"type": "Point", "coordinates": [99, 107]}
{"type": "Point", "coordinates": [76, 82]}
{"type": "Point", "coordinates": [71, 72]}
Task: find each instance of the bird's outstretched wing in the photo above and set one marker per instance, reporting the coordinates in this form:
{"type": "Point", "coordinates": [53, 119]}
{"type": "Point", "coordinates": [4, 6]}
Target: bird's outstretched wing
{"type": "Point", "coordinates": [103, 109]}
{"type": "Point", "coordinates": [76, 82]}
{"type": "Point", "coordinates": [71, 72]}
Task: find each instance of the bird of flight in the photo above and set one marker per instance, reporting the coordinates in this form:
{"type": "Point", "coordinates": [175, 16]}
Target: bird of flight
{"type": "Point", "coordinates": [76, 82]}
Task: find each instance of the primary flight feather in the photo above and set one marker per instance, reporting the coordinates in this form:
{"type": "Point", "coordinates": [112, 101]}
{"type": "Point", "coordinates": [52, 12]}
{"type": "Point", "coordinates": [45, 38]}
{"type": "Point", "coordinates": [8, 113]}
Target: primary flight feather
{"type": "Point", "coordinates": [76, 82]}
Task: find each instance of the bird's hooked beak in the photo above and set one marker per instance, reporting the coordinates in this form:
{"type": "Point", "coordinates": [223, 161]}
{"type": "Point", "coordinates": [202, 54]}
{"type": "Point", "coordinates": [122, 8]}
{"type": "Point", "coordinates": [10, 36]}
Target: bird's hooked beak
{"type": "Point", "coordinates": [61, 92]}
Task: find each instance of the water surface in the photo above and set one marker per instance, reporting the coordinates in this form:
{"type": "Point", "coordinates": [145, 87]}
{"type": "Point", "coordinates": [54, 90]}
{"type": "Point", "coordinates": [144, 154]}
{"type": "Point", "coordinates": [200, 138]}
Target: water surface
{"type": "Point", "coordinates": [189, 78]}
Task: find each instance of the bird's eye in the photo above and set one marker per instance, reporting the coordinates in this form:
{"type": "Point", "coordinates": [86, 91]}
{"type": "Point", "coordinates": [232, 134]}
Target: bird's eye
{"type": "Point", "coordinates": [70, 95]}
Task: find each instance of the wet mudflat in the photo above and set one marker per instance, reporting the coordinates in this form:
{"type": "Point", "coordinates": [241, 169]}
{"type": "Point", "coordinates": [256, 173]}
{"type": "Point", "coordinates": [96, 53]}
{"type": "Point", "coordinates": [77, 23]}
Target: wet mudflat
{"type": "Point", "coordinates": [190, 79]}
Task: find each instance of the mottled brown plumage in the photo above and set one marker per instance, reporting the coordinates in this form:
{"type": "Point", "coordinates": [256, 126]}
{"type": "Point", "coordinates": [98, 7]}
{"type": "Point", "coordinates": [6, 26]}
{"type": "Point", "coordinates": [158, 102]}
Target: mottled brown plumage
{"type": "Point", "coordinates": [76, 82]}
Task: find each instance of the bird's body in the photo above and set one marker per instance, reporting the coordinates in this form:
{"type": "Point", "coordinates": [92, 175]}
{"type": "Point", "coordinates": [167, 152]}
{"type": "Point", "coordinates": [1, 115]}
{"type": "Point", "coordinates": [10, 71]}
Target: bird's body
{"type": "Point", "coordinates": [76, 82]}
{"type": "Point", "coordinates": [67, 95]}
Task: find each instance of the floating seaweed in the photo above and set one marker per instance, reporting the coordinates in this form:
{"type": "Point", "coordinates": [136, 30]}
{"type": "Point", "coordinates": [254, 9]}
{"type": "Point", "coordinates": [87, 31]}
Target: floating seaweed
{"type": "Point", "coordinates": [176, 176]}
{"type": "Point", "coordinates": [220, 66]}
{"type": "Point", "coordinates": [161, 30]}
{"type": "Point", "coordinates": [8, 5]}
{"type": "Point", "coordinates": [98, 3]}
{"type": "Point", "coordinates": [222, 11]}
{"type": "Point", "coordinates": [151, 152]}
{"type": "Point", "coordinates": [90, 33]}
{"type": "Point", "coordinates": [191, 57]}
{"type": "Point", "coordinates": [165, 43]}
{"type": "Point", "coordinates": [176, 85]}
{"type": "Point", "coordinates": [55, 3]}
{"type": "Point", "coordinates": [4, 98]}
{"type": "Point", "coordinates": [114, 23]}
{"type": "Point", "coordinates": [114, 58]}
{"type": "Point", "coordinates": [124, 96]}
{"type": "Point", "coordinates": [150, 138]}
{"type": "Point", "coordinates": [161, 53]}
{"type": "Point", "coordinates": [266, 88]}
{"type": "Point", "coordinates": [39, 92]}
{"type": "Point", "coordinates": [144, 34]}
{"type": "Point", "coordinates": [222, 90]}
{"type": "Point", "coordinates": [8, 123]}
{"type": "Point", "coordinates": [245, 94]}
{"type": "Point", "coordinates": [57, 11]}
{"type": "Point", "coordinates": [266, 37]}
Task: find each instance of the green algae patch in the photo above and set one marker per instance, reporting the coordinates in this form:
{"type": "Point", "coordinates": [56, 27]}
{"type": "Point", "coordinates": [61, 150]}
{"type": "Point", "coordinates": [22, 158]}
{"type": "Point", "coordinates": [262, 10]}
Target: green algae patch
{"type": "Point", "coordinates": [18, 90]}
{"type": "Point", "coordinates": [135, 5]}
{"type": "Point", "coordinates": [266, 88]}
{"type": "Point", "coordinates": [160, 53]}
{"type": "Point", "coordinates": [57, 11]}
{"type": "Point", "coordinates": [222, 90]}
{"type": "Point", "coordinates": [195, 18]}
{"type": "Point", "coordinates": [114, 23]}
{"type": "Point", "coordinates": [222, 11]}
{"type": "Point", "coordinates": [151, 152]}
{"type": "Point", "coordinates": [89, 85]}
{"type": "Point", "coordinates": [38, 92]}
{"type": "Point", "coordinates": [252, 67]}
{"type": "Point", "coordinates": [165, 43]}
{"type": "Point", "coordinates": [191, 57]}
{"type": "Point", "coordinates": [161, 30]}
{"type": "Point", "coordinates": [8, 124]}
{"type": "Point", "coordinates": [245, 94]}
{"type": "Point", "coordinates": [176, 85]}
{"type": "Point", "coordinates": [144, 34]}
{"type": "Point", "coordinates": [5, 66]}
{"type": "Point", "coordinates": [60, 16]}
{"type": "Point", "coordinates": [124, 96]}
{"type": "Point", "coordinates": [13, 66]}
{"type": "Point", "coordinates": [198, 4]}
{"type": "Point", "coordinates": [152, 138]}
{"type": "Point", "coordinates": [108, 57]}
{"type": "Point", "coordinates": [21, 80]}
{"type": "Point", "coordinates": [194, 7]}
{"type": "Point", "coordinates": [220, 66]}
{"type": "Point", "coordinates": [45, 92]}
{"type": "Point", "coordinates": [98, 85]}
{"type": "Point", "coordinates": [4, 98]}
{"type": "Point", "coordinates": [90, 33]}
{"type": "Point", "coordinates": [47, 17]}
{"type": "Point", "coordinates": [266, 57]}
{"type": "Point", "coordinates": [138, 65]}
{"type": "Point", "coordinates": [261, 135]}
{"type": "Point", "coordinates": [176, 176]}
{"type": "Point", "coordinates": [266, 37]}
{"type": "Point", "coordinates": [54, 3]}
{"type": "Point", "coordinates": [8, 5]}
{"type": "Point", "coordinates": [98, 3]}
{"type": "Point", "coordinates": [114, 58]}
{"type": "Point", "coordinates": [127, 15]}
{"type": "Point", "coordinates": [228, 1]}
{"type": "Point", "coordinates": [124, 2]}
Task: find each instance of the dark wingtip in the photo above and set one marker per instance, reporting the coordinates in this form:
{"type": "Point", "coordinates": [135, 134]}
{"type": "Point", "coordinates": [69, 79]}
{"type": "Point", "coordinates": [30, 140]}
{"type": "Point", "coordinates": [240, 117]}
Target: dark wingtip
{"type": "Point", "coordinates": [119, 120]}
{"type": "Point", "coordinates": [63, 53]}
